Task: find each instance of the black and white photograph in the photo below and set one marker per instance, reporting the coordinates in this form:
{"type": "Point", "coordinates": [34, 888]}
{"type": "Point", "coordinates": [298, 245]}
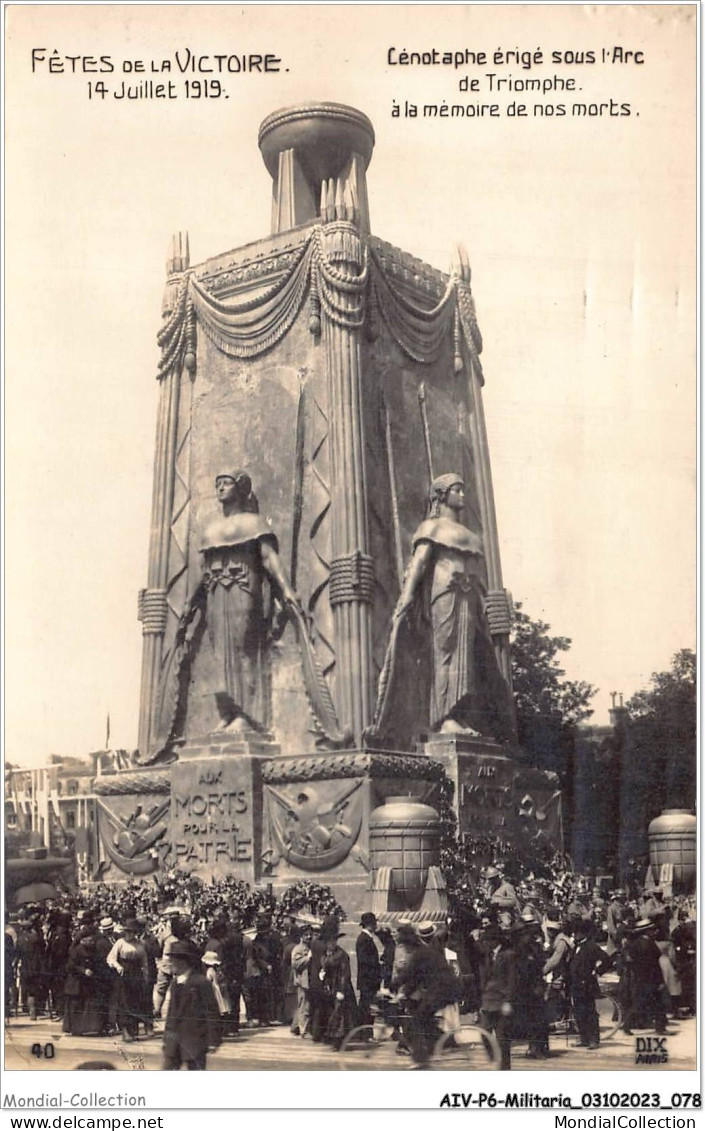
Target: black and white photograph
{"type": "Point", "coordinates": [350, 576]}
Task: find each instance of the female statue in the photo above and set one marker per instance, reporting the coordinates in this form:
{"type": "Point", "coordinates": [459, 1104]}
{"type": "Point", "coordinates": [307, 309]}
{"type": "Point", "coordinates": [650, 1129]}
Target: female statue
{"type": "Point", "coordinates": [440, 621]}
{"type": "Point", "coordinates": [242, 574]}
{"type": "Point", "coordinates": [238, 553]}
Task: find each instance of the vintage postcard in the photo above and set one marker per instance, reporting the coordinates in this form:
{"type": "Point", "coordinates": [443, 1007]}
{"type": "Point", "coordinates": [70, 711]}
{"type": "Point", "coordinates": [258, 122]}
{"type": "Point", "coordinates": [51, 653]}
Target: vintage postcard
{"type": "Point", "coordinates": [350, 580]}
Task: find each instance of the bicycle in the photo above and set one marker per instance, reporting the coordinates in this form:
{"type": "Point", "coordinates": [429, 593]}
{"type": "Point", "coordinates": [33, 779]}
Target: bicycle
{"type": "Point", "coordinates": [380, 1047]}
{"type": "Point", "coordinates": [609, 1011]}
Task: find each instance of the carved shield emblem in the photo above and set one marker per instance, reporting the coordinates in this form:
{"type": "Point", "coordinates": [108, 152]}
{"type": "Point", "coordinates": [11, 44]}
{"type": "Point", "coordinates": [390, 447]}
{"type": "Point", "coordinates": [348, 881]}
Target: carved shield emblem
{"type": "Point", "coordinates": [312, 831]}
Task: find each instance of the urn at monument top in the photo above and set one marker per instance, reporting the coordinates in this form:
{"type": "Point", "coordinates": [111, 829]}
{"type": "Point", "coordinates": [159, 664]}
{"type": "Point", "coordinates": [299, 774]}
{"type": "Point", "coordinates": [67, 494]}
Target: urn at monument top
{"type": "Point", "coordinates": [673, 840]}
{"type": "Point", "coordinates": [405, 836]}
{"type": "Point", "coordinates": [317, 154]}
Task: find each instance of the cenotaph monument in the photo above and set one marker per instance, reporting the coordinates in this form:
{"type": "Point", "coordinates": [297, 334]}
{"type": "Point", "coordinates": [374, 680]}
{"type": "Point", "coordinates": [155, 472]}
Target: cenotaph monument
{"type": "Point", "coordinates": [326, 630]}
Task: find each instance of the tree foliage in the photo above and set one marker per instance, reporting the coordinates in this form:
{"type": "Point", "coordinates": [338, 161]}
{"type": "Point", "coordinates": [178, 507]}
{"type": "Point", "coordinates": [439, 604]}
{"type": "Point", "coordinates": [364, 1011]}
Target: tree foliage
{"type": "Point", "coordinates": [663, 728]}
{"type": "Point", "coordinates": [549, 706]}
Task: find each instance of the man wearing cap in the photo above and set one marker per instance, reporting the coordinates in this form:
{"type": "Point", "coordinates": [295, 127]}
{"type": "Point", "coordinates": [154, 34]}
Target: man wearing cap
{"type": "Point", "coordinates": [578, 906]}
{"type": "Point", "coordinates": [369, 951]}
{"type": "Point", "coordinates": [615, 916]}
{"type": "Point", "coordinates": [300, 965]}
{"type": "Point", "coordinates": [192, 1026]}
{"type": "Point", "coordinates": [502, 894]}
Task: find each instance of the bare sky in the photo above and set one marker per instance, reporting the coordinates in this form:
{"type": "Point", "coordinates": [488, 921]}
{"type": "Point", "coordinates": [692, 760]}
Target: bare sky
{"type": "Point", "coordinates": [581, 235]}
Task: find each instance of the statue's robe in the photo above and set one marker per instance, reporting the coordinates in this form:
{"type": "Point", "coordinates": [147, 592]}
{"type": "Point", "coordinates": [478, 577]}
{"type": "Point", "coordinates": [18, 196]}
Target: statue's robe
{"type": "Point", "coordinates": [440, 661]}
{"type": "Point", "coordinates": [237, 619]}
{"type": "Point", "coordinates": [232, 603]}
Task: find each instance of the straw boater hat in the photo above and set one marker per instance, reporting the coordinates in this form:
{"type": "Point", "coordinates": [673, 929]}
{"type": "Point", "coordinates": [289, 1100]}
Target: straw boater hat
{"type": "Point", "coordinates": [210, 958]}
{"type": "Point", "coordinates": [304, 919]}
{"type": "Point", "coordinates": [426, 931]}
{"type": "Point", "coordinates": [106, 924]}
{"type": "Point", "coordinates": [643, 925]}
{"type": "Point", "coordinates": [528, 916]}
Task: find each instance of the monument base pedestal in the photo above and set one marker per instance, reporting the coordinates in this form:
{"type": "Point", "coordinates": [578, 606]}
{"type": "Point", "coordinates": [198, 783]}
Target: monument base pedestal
{"type": "Point", "coordinates": [232, 805]}
{"type": "Point", "coordinates": [494, 794]}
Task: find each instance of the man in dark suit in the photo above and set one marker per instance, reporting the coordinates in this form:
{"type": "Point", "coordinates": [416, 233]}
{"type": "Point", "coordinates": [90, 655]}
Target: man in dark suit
{"type": "Point", "coordinates": [369, 951]}
{"type": "Point", "coordinates": [587, 962]}
{"type": "Point", "coordinates": [499, 989]}
{"type": "Point", "coordinates": [193, 1022]}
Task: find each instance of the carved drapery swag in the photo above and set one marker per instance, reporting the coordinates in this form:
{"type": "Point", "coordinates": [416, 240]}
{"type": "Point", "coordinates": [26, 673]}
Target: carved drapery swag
{"type": "Point", "coordinates": [246, 328]}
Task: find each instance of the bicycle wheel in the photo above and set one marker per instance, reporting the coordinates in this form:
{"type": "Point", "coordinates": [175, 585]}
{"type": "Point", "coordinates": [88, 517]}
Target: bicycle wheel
{"type": "Point", "coordinates": [361, 1051]}
{"type": "Point", "coordinates": [469, 1047]}
{"type": "Point", "coordinates": [611, 1016]}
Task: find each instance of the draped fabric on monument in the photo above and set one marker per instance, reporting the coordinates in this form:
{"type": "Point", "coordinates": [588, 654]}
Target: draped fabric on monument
{"type": "Point", "coordinates": [249, 327]}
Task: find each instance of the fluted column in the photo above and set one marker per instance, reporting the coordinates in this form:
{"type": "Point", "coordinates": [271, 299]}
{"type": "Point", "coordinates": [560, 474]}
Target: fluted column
{"type": "Point", "coordinates": [152, 601]}
{"type": "Point", "coordinates": [352, 574]}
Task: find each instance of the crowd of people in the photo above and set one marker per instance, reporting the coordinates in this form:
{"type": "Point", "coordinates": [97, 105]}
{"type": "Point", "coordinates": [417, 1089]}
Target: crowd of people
{"type": "Point", "coordinates": [118, 962]}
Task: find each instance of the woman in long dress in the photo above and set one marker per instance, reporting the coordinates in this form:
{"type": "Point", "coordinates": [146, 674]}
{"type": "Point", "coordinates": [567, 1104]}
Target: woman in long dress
{"type": "Point", "coordinates": [445, 581]}
{"type": "Point", "coordinates": [129, 958]}
{"type": "Point", "coordinates": [84, 1007]}
{"type": "Point", "coordinates": [339, 993]}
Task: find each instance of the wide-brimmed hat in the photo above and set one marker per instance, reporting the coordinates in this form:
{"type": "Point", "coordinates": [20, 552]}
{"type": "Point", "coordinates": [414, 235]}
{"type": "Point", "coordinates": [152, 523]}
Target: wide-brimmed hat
{"type": "Point", "coordinates": [643, 925]}
{"type": "Point", "coordinates": [330, 928]}
{"type": "Point", "coordinates": [492, 873]}
{"type": "Point", "coordinates": [210, 958]}
{"type": "Point", "coordinates": [426, 930]}
{"type": "Point", "coordinates": [182, 949]}
{"type": "Point", "coordinates": [305, 919]}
